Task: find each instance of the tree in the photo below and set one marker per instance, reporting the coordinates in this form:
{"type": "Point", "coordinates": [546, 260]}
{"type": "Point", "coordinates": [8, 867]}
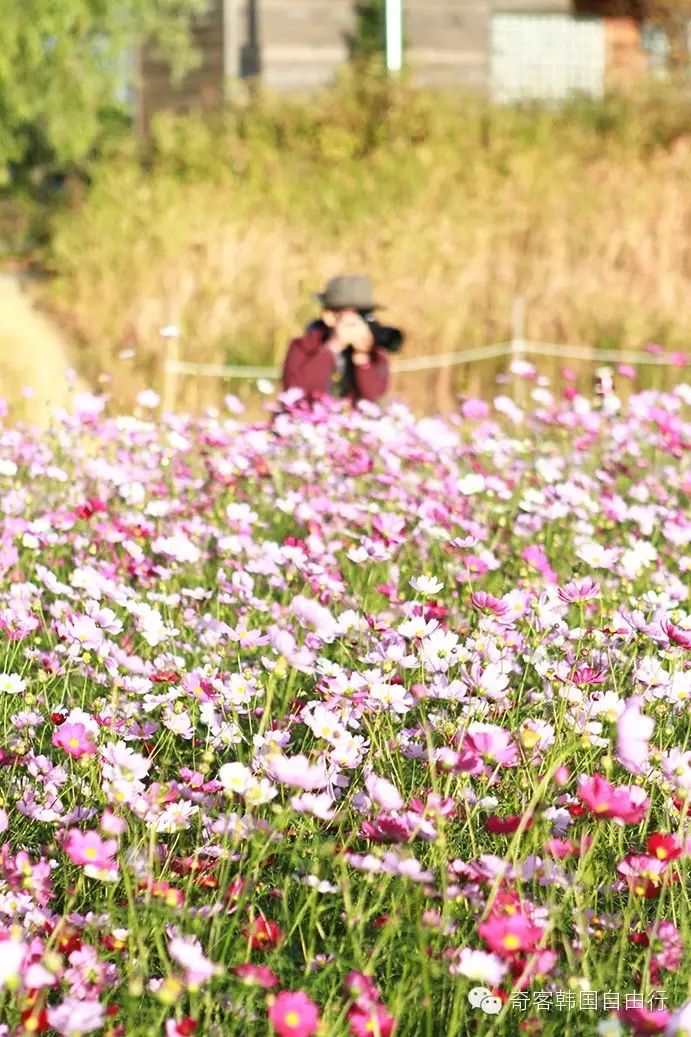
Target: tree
{"type": "Point", "coordinates": [61, 70]}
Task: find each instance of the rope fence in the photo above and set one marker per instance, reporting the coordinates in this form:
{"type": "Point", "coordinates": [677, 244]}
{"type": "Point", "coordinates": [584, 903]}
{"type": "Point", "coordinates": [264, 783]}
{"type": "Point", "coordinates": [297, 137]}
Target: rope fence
{"type": "Point", "coordinates": [518, 348]}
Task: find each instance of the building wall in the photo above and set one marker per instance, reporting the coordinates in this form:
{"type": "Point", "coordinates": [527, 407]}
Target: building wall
{"type": "Point", "coordinates": [303, 42]}
{"type": "Point", "coordinates": [532, 6]}
{"type": "Point", "coordinates": [447, 42]}
{"type": "Point", "coordinates": [290, 44]}
{"type": "Point", "coordinates": [300, 44]}
{"type": "Point", "coordinates": [202, 88]}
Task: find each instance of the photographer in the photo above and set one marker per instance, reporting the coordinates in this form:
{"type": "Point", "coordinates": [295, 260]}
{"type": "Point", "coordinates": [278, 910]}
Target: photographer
{"type": "Point", "coordinates": [343, 353]}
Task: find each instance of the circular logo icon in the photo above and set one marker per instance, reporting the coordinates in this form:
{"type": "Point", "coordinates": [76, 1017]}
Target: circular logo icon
{"type": "Point", "coordinates": [477, 995]}
{"type": "Point", "coordinates": [484, 999]}
{"type": "Point", "coordinates": [491, 1005]}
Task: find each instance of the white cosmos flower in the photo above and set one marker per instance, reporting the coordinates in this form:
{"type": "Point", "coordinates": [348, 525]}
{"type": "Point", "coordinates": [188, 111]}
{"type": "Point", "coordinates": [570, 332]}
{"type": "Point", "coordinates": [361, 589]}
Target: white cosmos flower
{"type": "Point", "coordinates": [426, 584]}
{"type": "Point", "coordinates": [470, 484]}
{"type": "Point", "coordinates": [10, 960]}
{"type": "Point", "coordinates": [235, 777]}
{"type": "Point", "coordinates": [12, 684]}
{"type": "Point", "coordinates": [479, 965]}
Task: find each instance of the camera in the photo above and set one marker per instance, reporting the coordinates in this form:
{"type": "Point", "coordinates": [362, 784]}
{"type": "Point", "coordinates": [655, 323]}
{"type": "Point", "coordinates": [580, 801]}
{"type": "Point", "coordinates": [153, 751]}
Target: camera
{"type": "Point", "coordinates": [385, 337]}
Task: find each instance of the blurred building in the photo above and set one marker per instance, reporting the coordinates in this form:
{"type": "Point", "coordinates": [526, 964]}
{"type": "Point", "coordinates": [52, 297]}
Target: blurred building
{"type": "Point", "coordinates": [289, 44]}
{"type": "Point", "coordinates": [509, 49]}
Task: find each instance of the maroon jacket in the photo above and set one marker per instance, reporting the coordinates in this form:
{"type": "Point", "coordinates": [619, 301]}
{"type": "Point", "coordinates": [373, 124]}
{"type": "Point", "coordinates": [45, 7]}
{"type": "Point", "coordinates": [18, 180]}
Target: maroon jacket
{"type": "Point", "coordinates": [311, 366]}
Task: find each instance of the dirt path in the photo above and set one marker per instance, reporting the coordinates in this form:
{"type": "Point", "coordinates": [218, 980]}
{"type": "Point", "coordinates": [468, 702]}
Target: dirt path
{"type": "Point", "coordinates": [34, 356]}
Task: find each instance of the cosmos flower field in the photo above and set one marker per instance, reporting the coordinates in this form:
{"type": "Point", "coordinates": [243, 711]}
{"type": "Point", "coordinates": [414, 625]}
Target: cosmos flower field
{"type": "Point", "coordinates": [319, 724]}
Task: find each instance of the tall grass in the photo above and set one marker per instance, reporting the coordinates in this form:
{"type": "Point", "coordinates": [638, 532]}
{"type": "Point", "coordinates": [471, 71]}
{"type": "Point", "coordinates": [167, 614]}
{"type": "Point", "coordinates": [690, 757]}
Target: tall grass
{"type": "Point", "coordinates": [454, 207]}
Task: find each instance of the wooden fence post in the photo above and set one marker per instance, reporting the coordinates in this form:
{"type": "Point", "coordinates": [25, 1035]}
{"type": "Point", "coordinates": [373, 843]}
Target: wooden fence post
{"type": "Point", "coordinates": [518, 346]}
{"type": "Point", "coordinates": [171, 355]}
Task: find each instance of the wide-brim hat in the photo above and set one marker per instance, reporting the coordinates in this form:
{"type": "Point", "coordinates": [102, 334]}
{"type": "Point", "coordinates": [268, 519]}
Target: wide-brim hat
{"type": "Point", "coordinates": [348, 293]}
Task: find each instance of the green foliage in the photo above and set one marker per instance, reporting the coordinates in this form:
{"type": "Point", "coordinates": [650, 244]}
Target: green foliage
{"type": "Point", "coordinates": [368, 41]}
{"type": "Point", "coordinates": [227, 224]}
{"type": "Point", "coordinates": [62, 69]}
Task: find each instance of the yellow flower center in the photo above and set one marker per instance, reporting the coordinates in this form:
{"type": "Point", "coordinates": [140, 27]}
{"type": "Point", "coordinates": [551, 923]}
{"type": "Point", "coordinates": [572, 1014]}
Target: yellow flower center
{"type": "Point", "coordinates": [292, 1019]}
{"type": "Point", "coordinates": [511, 942]}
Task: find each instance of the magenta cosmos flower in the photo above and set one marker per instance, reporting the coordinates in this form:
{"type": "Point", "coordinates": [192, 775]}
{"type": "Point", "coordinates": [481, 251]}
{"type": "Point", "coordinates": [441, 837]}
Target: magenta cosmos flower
{"type": "Point", "coordinates": [294, 1014]}
{"type": "Point", "coordinates": [371, 1020]}
{"type": "Point", "coordinates": [623, 803]}
{"type": "Point", "coordinates": [507, 935]}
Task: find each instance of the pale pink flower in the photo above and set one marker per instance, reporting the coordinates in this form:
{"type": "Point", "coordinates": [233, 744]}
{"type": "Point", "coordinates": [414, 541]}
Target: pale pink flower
{"type": "Point", "coordinates": [74, 1017]}
{"type": "Point", "coordinates": [634, 731]}
{"type": "Point", "coordinates": [188, 953]}
{"type": "Point", "coordinates": [384, 794]}
{"type": "Point", "coordinates": [12, 952]}
{"type": "Point", "coordinates": [298, 771]}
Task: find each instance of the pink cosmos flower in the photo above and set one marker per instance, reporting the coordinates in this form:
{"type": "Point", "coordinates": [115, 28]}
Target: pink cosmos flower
{"type": "Point", "coordinates": [583, 676]}
{"type": "Point", "coordinates": [294, 1015]}
{"type": "Point", "coordinates": [371, 1020]}
{"type": "Point", "coordinates": [485, 747]}
{"type": "Point", "coordinates": [643, 874]}
{"type": "Point", "coordinates": [17, 624]}
{"type": "Point", "coordinates": [625, 803]}
{"type": "Point", "coordinates": [578, 591]}
{"type": "Point", "coordinates": [298, 772]}
{"type": "Point", "coordinates": [387, 828]}
{"type": "Point", "coordinates": [256, 975]}
{"type": "Point", "coordinates": [676, 635]}
{"type": "Point", "coordinates": [111, 823]}
{"type": "Point", "coordinates": [318, 804]}
{"type": "Point", "coordinates": [667, 944]}
{"type": "Point", "coordinates": [535, 555]}
{"type": "Point", "coordinates": [361, 988]}
{"type": "Point", "coordinates": [646, 1020]}
{"type": "Point", "coordinates": [74, 1017]}
{"type": "Point", "coordinates": [475, 409]}
{"type": "Point", "coordinates": [538, 965]}
{"type": "Point", "coordinates": [634, 731]}
{"type": "Point", "coordinates": [434, 806]}
{"type": "Point", "coordinates": [74, 739]}
{"type": "Point", "coordinates": [488, 603]}
{"type": "Point", "coordinates": [92, 852]}
{"type": "Point", "coordinates": [12, 954]}
{"type": "Point", "coordinates": [188, 953]}
{"type": "Point", "coordinates": [507, 935]}
{"type": "Point", "coordinates": [384, 794]}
